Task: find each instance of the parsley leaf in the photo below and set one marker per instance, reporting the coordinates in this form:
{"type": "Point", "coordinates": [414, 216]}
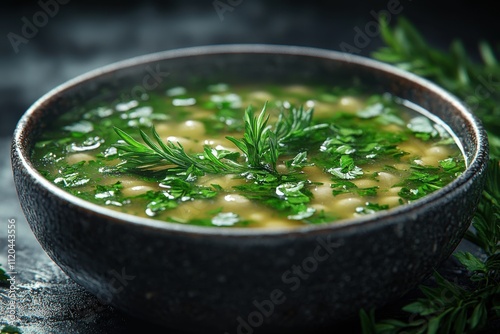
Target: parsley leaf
{"type": "Point", "coordinates": [71, 176]}
{"type": "Point", "coordinates": [176, 191]}
{"type": "Point", "coordinates": [370, 208]}
{"type": "Point", "coordinates": [424, 180]}
{"type": "Point", "coordinates": [347, 187]}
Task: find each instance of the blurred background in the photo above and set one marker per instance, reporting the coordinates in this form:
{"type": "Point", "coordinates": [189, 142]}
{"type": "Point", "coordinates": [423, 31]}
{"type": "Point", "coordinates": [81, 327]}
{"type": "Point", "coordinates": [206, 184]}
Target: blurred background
{"type": "Point", "coordinates": [68, 38]}
{"type": "Point", "coordinates": [44, 43]}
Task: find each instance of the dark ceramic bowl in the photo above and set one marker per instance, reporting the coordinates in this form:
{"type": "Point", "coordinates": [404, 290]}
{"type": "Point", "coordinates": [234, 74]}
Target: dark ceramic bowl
{"type": "Point", "coordinates": [237, 280]}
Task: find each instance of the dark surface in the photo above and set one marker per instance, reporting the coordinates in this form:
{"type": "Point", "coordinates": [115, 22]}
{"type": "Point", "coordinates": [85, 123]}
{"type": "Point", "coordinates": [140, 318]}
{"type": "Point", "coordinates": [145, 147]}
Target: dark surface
{"type": "Point", "coordinates": [80, 38]}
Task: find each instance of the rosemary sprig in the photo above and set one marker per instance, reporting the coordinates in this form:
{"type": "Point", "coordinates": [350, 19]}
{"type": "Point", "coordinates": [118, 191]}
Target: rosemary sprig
{"type": "Point", "coordinates": [449, 307]}
{"type": "Point", "coordinates": [486, 222]}
{"type": "Point", "coordinates": [446, 308]}
{"type": "Point", "coordinates": [142, 157]}
{"type": "Point", "coordinates": [259, 143]}
{"type": "Point", "coordinates": [293, 129]}
{"type": "Point", "coordinates": [261, 146]}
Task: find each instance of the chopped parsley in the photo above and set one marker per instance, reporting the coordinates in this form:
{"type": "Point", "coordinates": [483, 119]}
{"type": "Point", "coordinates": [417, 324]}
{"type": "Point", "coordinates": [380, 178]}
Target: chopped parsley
{"type": "Point", "coordinates": [283, 159]}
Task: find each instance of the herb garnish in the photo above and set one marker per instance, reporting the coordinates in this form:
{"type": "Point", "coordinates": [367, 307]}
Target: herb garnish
{"type": "Point", "coordinates": [341, 146]}
{"type": "Point", "coordinates": [477, 84]}
{"type": "Point", "coordinates": [71, 176]}
{"type": "Point", "coordinates": [176, 191]}
{"type": "Point", "coordinates": [347, 187]}
{"type": "Point", "coordinates": [259, 144]}
{"type": "Point", "coordinates": [424, 180]}
{"type": "Point", "coordinates": [449, 307]}
{"type": "Point", "coordinates": [285, 159]}
{"type": "Point", "coordinates": [4, 277]}
{"type": "Point", "coordinates": [8, 329]}
{"type": "Point", "coordinates": [260, 148]}
{"type": "Point", "coordinates": [152, 155]}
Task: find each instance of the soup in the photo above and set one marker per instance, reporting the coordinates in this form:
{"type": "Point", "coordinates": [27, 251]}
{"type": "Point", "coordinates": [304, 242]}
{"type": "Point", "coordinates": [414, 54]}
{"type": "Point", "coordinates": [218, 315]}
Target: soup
{"type": "Point", "coordinates": [250, 156]}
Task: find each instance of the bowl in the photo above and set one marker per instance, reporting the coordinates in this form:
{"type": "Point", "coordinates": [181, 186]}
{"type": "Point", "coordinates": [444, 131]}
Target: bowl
{"type": "Point", "coordinates": [202, 279]}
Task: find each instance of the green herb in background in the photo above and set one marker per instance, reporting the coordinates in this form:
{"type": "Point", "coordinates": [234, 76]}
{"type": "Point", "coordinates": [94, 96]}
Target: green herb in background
{"type": "Point", "coordinates": [4, 277]}
{"type": "Point", "coordinates": [8, 329]}
{"type": "Point", "coordinates": [477, 84]}
{"type": "Point", "coordinates": [449, 307]}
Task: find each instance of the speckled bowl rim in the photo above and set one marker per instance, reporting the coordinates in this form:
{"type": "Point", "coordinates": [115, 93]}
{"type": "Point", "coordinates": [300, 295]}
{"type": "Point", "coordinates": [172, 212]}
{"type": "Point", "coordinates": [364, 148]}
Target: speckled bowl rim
{"type": "Point", "coordinates": [351, 225]}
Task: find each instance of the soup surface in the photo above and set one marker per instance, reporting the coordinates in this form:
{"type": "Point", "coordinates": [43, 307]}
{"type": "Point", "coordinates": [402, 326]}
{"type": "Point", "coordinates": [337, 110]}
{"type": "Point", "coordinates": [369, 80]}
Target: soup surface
{"type": "Point", "coordinates": [249, 156]}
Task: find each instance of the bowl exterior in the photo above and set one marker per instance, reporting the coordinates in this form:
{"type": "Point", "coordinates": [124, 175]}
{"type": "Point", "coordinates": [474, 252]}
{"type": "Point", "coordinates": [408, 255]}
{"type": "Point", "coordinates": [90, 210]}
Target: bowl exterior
{"type": "Point", "coordinates": [202, 279]}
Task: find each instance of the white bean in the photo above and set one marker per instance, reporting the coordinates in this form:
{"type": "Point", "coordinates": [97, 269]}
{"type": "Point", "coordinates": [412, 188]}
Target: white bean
{"type": "Point", "coordinates": [220, 144]}
{"type": "Point", "coordinates": [188, 144]}
{"type": "Point", "coordinates": [392, 201]}
{"type": "Point", "coordinates": [322, 193]}
{"type": "Point", "coordinates": [323, 109]}
{"type": "Point", "coordinates": [225, 181]}
{"type": "Point", "coordinates": [412, 148]}
{"type": "Point", "coordinates": [429, 161]}
{"type": "Point", "coordinates": [191, 129]}
{"type": "Point", "coordinates": [136, 190]}
{"type": "Point", "coordinates": [347, 204]}
{"type": "Point", "coordinates": [387, 180]}
{"type": "Point", "coordinates": [279, 224]}
{"type": "Point", "coordinates": [365, 183]}
{"type": "Point", "coordinates": [163, 129]}
{"type": "Point", "coordinates": [394, 190]}
{"type": "Point", "coordinates": [439, 152]}
{"type": "Point", "coordinates": [281, 168]}
{"type": "Point", "coordinates": [299, 89]}
{"type": "Point", "coordinates": [79, 157]}
{"type": "Point", "coordinates": [232, 202]}
{"type": "Point", "coordinates": [260, 96]}
{"type": "Point", "coordinates": [349, 103]}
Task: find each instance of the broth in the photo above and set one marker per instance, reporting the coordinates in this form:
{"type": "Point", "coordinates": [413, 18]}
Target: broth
{"type": "Point", "coordinates": [332, 154]}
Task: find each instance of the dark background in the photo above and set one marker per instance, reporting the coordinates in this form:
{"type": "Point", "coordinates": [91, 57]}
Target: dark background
{"type": "Point", "coordinates": [85, 35]}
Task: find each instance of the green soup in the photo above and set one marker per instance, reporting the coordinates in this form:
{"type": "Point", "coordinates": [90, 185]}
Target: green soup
{"type": "Point", "coordinates": [311, 155]}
